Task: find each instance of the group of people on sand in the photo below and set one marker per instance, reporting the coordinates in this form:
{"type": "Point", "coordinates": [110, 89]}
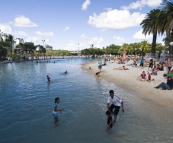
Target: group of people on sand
{"type": "Point", "coordinates": [143, 77]}
{"type": "Point", "coordinates": [114, 104]}
{"type": "Point", "coordinates": [153, 69]}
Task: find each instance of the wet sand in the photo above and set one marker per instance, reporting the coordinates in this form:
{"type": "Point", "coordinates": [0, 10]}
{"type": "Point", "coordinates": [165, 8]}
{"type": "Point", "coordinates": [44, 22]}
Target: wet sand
{"type": "Point", "coordinates": [127, 79]}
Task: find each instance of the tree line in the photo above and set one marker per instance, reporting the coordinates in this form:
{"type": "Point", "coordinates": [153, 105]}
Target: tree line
{"type": "Point", "coordinates": [25, 50]}
{"type": "Point", "coordinates": [139, 48]}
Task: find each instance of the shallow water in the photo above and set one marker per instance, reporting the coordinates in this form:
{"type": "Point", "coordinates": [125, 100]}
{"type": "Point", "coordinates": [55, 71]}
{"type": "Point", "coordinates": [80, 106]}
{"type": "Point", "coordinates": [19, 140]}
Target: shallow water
{"type": "Point", "coordinates": [26, 104]}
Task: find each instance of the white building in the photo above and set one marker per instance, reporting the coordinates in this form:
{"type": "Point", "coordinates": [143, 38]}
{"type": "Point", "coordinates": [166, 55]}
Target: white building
{"type": "Point", "coordinates": [3, 36]}
{"type": "Point", "coordinates": [48, 47]}
{"type": "Point", "coordinates": [18, 41]}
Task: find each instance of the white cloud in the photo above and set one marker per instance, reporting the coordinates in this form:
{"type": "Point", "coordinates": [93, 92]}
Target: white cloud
{"type": "Point", "coordinates": [108, 9]}
{"type": "Point", "coordinates": [85, 42]}
{"type": "Point", "coordinates": [142, 3]}
{"type": "Point", "coordinates": [83, 36]}
{"type": "Point", "coordinates": [103, 30]}
{"type": "Point", "coordinates": [19, 34]}
{"type": "Point", "coordinates": [116, 19]}
{"type": "Point", "coordinates": [35, 40]}
{"type": "Point", "coordinates": [139, 36]}
{"type": "Point", "coordinates": [66, 28]}
{"type": "Point", "coordinates": [71, 45]}
{"type": "Point", "coordinates": [118, 40]}
{"type": "Point", "coordinates": [86, 4]}
{"type": "Point", "coordinates": [23, 21]}
{"type": "Point", "coordinates": [44, 33]}
{"type": "Point", "coordinates": [5, 28]}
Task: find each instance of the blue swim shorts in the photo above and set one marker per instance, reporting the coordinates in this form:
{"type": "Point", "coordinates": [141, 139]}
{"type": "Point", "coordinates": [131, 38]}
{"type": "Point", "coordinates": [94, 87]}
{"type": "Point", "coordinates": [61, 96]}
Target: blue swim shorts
{"type": "Point", "coordinates": [55, 115]}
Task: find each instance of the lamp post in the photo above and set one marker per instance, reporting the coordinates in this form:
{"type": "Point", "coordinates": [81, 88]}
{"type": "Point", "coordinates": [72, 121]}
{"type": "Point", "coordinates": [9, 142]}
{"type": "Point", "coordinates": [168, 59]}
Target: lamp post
{"type": "Point", "coordinates": [43, 42]}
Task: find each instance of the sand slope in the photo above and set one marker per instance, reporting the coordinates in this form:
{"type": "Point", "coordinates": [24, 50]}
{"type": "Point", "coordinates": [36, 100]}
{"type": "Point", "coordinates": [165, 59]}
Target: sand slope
{"type": "Point", "coordinates": [128, 80]}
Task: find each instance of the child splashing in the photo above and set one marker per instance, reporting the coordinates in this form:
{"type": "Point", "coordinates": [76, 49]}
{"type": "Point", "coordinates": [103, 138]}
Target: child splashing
{"type": "Point", "coordinates": [55, 110]}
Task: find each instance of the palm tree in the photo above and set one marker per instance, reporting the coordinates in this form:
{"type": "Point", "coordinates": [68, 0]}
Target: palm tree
{"type": "Point", "coordinates": [166, 21]}
{"type": "Point", "coordinates": [151, 25]}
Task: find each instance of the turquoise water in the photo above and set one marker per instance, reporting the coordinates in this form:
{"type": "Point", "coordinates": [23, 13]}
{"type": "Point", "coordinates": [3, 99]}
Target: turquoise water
{"type": "Point", "coordinates": [27, 99]}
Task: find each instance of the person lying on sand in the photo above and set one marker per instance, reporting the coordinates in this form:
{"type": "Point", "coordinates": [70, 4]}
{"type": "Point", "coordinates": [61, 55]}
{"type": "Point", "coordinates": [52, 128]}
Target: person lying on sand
{"type": "Point", "coordinates": [121, 68]}
{"type": "Point", "coordinates": [134, 64]}
{"type": "Point", "coordinates": [120, 62]}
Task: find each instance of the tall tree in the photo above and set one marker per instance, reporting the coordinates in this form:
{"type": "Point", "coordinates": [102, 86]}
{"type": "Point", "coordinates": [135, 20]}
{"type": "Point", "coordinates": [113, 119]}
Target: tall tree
{"type": "Point", "coordinates": [150, 25]}
{"type": "Point", "coordinates": [166, 21]}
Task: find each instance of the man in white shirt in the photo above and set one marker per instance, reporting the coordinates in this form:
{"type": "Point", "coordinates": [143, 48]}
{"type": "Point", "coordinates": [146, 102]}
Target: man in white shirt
{"type": "Point", "coordinates": [114, 103]}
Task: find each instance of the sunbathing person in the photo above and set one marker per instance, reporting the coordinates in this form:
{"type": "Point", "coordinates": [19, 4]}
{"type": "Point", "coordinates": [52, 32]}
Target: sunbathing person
{"type": "Point", "coordinates": [121, 68]}
{"type": "Point", "coordinates": [142, 77]}
{"type": "Point", "coordinates": [120, 61]}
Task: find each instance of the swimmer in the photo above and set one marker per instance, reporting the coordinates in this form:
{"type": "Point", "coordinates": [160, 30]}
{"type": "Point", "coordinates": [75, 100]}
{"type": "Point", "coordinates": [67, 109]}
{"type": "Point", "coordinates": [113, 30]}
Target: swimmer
{"type": "Point", "coordinates": [48, 78]}
{"type": "Point", "coordinates": [65, 72]}
{"type": "Point", "coordinates": [55, 110]}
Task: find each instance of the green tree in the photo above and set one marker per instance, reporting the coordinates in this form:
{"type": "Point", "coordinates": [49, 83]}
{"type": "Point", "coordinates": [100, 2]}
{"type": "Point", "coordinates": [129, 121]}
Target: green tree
{"type": "Point", "coordinates": [151, 25]}
{"type": "Point", "coordinates": [166, 21]}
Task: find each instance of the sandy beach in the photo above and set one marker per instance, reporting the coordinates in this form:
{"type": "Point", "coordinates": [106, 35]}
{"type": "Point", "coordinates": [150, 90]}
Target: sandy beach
{"type": "Point", "coordinates": [127, 79]}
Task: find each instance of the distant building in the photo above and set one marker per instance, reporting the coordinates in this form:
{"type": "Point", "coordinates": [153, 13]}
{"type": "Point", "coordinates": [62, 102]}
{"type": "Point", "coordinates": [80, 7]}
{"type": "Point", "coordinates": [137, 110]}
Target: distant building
{"type": "Point", "coordinates": [48, 47]}
{"type": "Point", "coordinates": [3, 37]}
{"type": "Point", "coordinates": [17, 41]}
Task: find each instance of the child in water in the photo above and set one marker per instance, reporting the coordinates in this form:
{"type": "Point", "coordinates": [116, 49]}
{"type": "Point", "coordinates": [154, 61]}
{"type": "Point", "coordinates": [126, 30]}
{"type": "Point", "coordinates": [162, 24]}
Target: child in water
{"type": "Point", "coordinates": [55, 110]}
{"type": "Point", "coordinates": [109, 120]}
{"type": "Point", "coordinates": [48, 78]}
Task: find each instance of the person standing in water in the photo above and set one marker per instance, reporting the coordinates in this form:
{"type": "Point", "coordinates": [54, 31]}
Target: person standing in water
{"type": "Point", "coordinates": [109, 120]}
{"type": "Point", "coordinates": [48, 78]}
{"type": "Point", "coordinates": [100, 65]}
{"type": "Point", "coordinates": [114, 103]}
{"type": "Point", "coordinates": [56, 109]}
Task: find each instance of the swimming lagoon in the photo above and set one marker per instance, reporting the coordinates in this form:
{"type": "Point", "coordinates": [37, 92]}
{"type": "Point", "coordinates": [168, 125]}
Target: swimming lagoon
{"type": "Point", "coordinates": [27, 99]}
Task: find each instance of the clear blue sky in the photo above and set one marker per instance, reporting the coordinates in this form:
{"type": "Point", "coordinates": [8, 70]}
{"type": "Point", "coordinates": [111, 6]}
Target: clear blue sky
{"type": "Point", "coordinates": [65, 23]}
